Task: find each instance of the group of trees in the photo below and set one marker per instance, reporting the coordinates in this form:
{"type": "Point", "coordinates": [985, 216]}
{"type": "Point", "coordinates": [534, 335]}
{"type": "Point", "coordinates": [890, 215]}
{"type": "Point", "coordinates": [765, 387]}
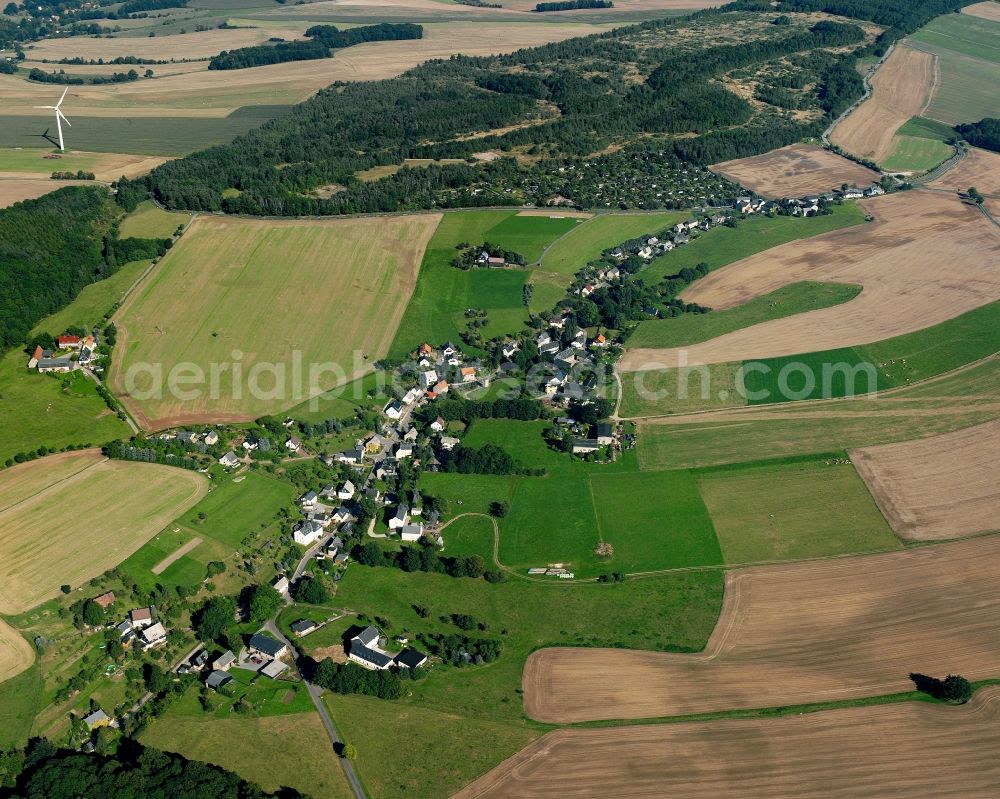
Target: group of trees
{"type": "Point", "coordinates": [78, 175]}
{"type": "Point", "coordinates": [72, 79]}
{"type": "Point", "coordinates": [524, 410]}
{"type": "Point", "coordinates": [573, 5]}
{"type": "Point", "coordinates": [487, 459]}
{"type": "Point", "coordinates": [461, 650]}
{"type": "Point", "coordinates": [350, 678]}
{"type": "Point", "coordinates": [322, 40]}
{"type": "Point", "coordinates": [469, 257]}
{"type": "Point", "coordinates": [425, 558]}
{"type": "Point", "coordinates": [985, 133]}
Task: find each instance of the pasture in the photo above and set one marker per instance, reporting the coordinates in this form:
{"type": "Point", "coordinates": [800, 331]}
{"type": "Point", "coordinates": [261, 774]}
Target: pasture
{"type": "Point", "coordinates": [936, 488]}
{"type": "Point", "coordinates": [326, 296]}
{"type": "Point", "coordinates": [901, 89]}
{"type": "Point", "coordinates": [793, 510]}
{"type": "Point", "coordinates": [71, 496]}
{"type": "Point", "coordinates": [795, 170]}
{"type": "Point", "coordinates": [436, 311]}
{"type": "Point", "coordinates": [798, 633]}
{"type": "Point", "coordinates": [896, 259]}
{"type": "Point", "coordinates": [962, 399]}
{"type": "Point", "coordinates": [843, 753]}
{"type": "Point", "coordinates": [48, 411]}
{"type": "Point", "coordinates": [16, 654]}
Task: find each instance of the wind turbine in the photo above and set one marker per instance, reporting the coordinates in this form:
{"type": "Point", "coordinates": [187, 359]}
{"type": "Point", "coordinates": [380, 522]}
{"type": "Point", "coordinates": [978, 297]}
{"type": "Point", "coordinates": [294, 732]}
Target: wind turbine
{"type": "Point", "coordinates": [60, 117]}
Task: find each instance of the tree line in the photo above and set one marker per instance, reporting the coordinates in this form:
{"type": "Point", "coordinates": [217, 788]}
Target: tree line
{"type": "Point", "coordinates": [573, 5]}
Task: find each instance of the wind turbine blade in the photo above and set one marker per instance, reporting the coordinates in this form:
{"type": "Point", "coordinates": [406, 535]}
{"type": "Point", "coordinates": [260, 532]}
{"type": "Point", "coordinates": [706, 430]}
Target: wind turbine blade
{"type": "Point", "coordinates": [63, 97]}
{"type": "Point", "coordinates": [59, 111]}
{"type": "Point", "coordinates": [50, 107]}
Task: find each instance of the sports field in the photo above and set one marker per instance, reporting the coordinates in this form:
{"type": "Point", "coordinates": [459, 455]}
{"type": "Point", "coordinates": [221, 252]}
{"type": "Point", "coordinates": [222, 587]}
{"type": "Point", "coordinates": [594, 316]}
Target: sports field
{"type": "Point", "coordinates": [842, 754]}
{"type": "Point", "coordinates": [299, 307]}
{"type": "Point", "coordinates": [60, 523]}
{"type": "Point", "coordinates": [793, 510]}
{"type": "Point", "coordinates": [795, 170]}
{"type": "Point", "coordinates": [901, 89]}
{"type": "Point", "coordinates": [937, 488]}
{"type": "Point", "coordinates": [16, 654]}
{"type": "Point", "coordinates": [896, 259]}
{"type": "Point", "coordinates": [806, 632]}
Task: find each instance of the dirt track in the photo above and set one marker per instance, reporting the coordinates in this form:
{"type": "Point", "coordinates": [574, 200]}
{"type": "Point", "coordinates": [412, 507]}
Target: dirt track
{"type": "Point", "coordinates": [901, 89]}
{"type": "Point", "coordinates": [807, 632]}
{"type": "Point", "coordinates": [935, 488]}
{"type": "Point", "coordinates": [926, 259]}
{"type": "Point", "coordinates": [795, 170]}
{"type": "Point", "coordinates": [896, 751]}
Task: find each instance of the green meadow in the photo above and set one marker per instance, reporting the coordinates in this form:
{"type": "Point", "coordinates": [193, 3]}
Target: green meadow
{"type": "Point", "coordinates": [91, 304]}
{"type": "Point", "coordinates": [148, 221]}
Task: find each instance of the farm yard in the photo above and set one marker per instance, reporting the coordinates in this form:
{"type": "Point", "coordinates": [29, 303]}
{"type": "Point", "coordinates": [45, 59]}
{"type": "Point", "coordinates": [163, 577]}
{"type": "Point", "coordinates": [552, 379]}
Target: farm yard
{"type": "Point", "coordinates": [840, 753]}
{"type": "Point", "coordinates": [806, 632]}
{"type": "Point", "coordinates": [69, 496]}
{"type": "Point", "coordinates": [896, 259]}
{"type": "Point", "coordinates": [936, 488]}
{"type": "Point", "coordinates": [187, 312]}
{"type": "Point", "coordinates": [794, 171]}
{"type": "Point", "coordinates": [901, 89]}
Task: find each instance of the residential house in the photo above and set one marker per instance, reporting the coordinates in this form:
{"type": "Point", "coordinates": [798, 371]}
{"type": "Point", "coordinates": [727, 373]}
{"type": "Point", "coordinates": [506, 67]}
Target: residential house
{"type": "Point", "coordinates": [426, 350]}
{"type": "Point", "coordinates": [366, 648]}
{"type": "Point", "coordinates": [224, 661]}
{"type": "Point", "coordinates": [307, 533]}
{"type": "Point", "coordinates": [467, 374]}
{"type": "Point", "coordinates": [304, 627]}
{"type": "Point", "coordinates": [308, 499]}
{"type": "Point", "coordinates": [261, 644]}
{"type": "Point", "coordinates": [154, 635]}
{"type": "Point", "coordinates": [449, 350]}
{"type": "Point", "coordinates": [599, 341]}
{"type": "Point", "coordinates": [351, 457]}
{"type": "Point", "coordinates": [229, 459]}
{"type": "Point", "coordinates": [217, 679]}
{"type": "Point", "coordinates": [274, 669]}
{"type": "Point", "coordinates": [56, 365]}
{"type": "Point", "coordinates": [543, 339]}
{"type": "Point", "coordinates": [340, 515]}
{"type": "Point", "coordinates": [509, 348]}
{"type": "Point", "coordinates": [583, 446]}
{"type": "Point", "coordinates": [605, 434]}
{"type": "Point", "coordinates": [347, 491]}
{"type": "Point", "coordinates": [449, 442]}
{"type": "Point", "coordinates": [566, 358]}
{"type": "Point", "coordinates": [550, 349]}
{"type": "Point", "coordinates": [400, 518]}
{"type": "Point", "coordinates": [411, 435]}
{"type": "Point", "coordinates": [106, 600]}
{"type": "Point", "coordinates": [412, 396]}
{"type": "Point", "coordinates": [280, 584]}
{"type": "Point", "coordinates": [37, 355]}
{"type": "Point", "coordinates": [393, 409]}
{"type": "Point", "coordinates": [579, 340]}
{"type": "Point", "coordinates": [211, 438]}
{"type": "Point", "coordinates": [68, 342]}
{"type": "Point", "coordinates": [404, 450]}
{"type": "Point", "coordinates": [441, 387]}
{"type": "Point", "coordinates": [438, 425]}
{"type": "Point", "coordinates": [140, 617]}
{"type": "Point", "coordinates": [428, 378]}
{"type": "Point", "coordinates": [293, 444]}
{"type": "Point", "coordinates": [97, 719]}
{"type": "Point", "coordinates": [411, 532]}
{"type": "Point", "coordinates": [410, 659]}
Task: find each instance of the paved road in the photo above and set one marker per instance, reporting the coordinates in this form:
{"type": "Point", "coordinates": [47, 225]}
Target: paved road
{"type": "Point", "coordinates": [316, 694]}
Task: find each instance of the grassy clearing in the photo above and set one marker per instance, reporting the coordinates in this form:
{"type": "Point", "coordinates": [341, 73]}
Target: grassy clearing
{"type": "Point", "coordinates": [32, 159]}
{"type": "Point", "coordinates": [958, 401]}
{"type": "Point", "coordinates": [194, 309]}
{"type": "Point", "coordinates": [288, 750]}
{"type": "Point", "coordinates": [547, 289]}
{"type": "Point", "coordinates": [917, 154]}
{"type": "Point", "coordinates": [789, 511]}
{"type": "Point", "coordinates": [234, 511]}
{"type": "Point", "coordinates": [590, 239]}
{"type": "Point", "coordinates": [676, 612]}
{"type": "Point", "coordinates": [417, 759]}
{"type": "Point", "coordinates": [148, 221]}
{"type": "Point", "coordinates": [723, 245]}
{"type": "Point", "coordinates": [20, 699]}
{"type": "Point", "coordinates": [93, 302]}
{"type": "Point", "coordinates": [436, 310]}
{"type": "Point", "coordinates": [795, 298]}
{"type": "Point", "coordinates": [36, 411]}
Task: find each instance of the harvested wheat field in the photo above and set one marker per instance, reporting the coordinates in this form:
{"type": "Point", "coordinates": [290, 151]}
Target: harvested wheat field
{"type": "Point", "coordinates": [16, 654]}
{"type": "Point", "coordinates": [36, 162]}
{"type": "Point", "coordinates": [806, 632]}
{"type": "Point", "coordinates": [14, 187]}
{"type": "Point", "coordinates": [62, 519]}
{"type": "Point", "coordinates": [988, 10]}
{"type": "Point", "coordinates": [901, 90]}
{"type": "Point", "coordinates": [794, 171]}
{"type": "Point", "coordinates": [900, 751]}
{"type": "Point", "coordinates": [935, 488]}
{"type": "Point", "coordinates": [979, 168]}
{"type": "Point", "coordinates": [217, 93]}
{"type": "Point", "coordinates": [898, 259]}
{"type": "Point", "coordinates": [278, 311]}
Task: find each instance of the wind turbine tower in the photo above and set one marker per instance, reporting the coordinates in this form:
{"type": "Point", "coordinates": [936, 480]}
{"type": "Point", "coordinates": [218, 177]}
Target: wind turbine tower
{"type": "Point", "coordinates": [60, 117]}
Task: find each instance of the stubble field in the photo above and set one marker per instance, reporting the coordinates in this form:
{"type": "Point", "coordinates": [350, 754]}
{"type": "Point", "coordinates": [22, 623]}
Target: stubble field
{"type": "Point", "coordinates": [806, 632]}
{"type": "Point", "coordinates": [936, 488]}
{"type": "Point", "coordinates": [312, 292]}
{"type": "Point", "coordinates": [902, 87]}
{"type": "Point", "coordinates": [14, 189]}
{"type": "Point", "coordinates": [898, 260]}
{"type": "Point", "coordinates": [794, 171]}
{"type": "Point", "coordinates": [16, 654]}
{"type": "Point", "coordinates": [839, 754]}
{"type": "Point", "coordinates": [60, 522]}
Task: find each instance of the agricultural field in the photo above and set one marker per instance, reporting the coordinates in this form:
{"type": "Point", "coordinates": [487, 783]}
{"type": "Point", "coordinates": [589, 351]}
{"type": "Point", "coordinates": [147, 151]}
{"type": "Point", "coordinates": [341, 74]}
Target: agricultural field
{"type": "Point", "coordinates": [902, 89]}
{"type": "Point", "coordinates": [150, 222]}
{"type": "Point", "coordinates": [936, 488]}
{"type": "Point", "coordinates": [979, 168]}
{"type": "Point", "coordinates": [962, 399]}
{"type": "Point", "coordinates": [795, 298]}
{"type": "Point", "coordinates": [896, 259]}
{"type": "Point", "coordinates": [794, 171]}
{"type": "Point", "coordinates": [920, 145]}
{"type": "Point", "coordinates": [967, 50]}
{"type": "Point", "coordinates": [50, 411]}
{"type": "Point", "coordinates": [671, 613]}
{"type": "Point", "coordinates": [89, 533]}
{"type": "Point", "coordinates": [188, 313]}
{"type": "Point", "coordinates": [845, 753]}
{"type": "Point", "coordinates": [807, 632]}
{"type": "Point", "coordinates": [105, 166]}
{"type": "Point", "coordinates": [793, 510]}
{"type": "Point", "coordinates": [16, 189]}
{"type": "Point", "coordinates": [16, 654]}
{"type": "Point", "coordinates": [436, 311]}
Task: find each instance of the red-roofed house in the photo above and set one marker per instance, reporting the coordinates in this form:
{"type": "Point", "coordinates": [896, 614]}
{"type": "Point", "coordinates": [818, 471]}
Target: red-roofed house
{"type": "Point", "coordinates": [36, 356]}
{"type": "Point", "coordinates": [68, 342]}
{"type": "Point", "coordinates": [106, 600]}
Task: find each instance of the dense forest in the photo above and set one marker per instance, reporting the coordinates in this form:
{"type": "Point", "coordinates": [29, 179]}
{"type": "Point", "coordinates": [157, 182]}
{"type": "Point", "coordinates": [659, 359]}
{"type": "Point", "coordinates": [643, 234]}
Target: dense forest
{"type": "Point", "coordinates": [573, 5]}
{"type": "Point", "coordinates": [323, 40]}
{"type": "Point", "coordinates": [559, 101]}
{"type": "Point", "coordinates": [985, 133]}
{"type": "Point", "coordinates": [135, 772]}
